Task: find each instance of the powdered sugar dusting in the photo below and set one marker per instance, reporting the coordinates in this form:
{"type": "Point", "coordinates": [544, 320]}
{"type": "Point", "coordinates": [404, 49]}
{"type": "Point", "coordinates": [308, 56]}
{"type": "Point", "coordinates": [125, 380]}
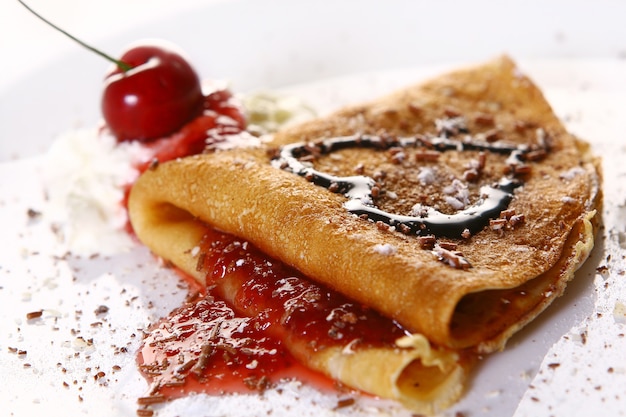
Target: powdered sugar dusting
{"type": "Point", "coordinates": [572, 173]}
{"type": "Point", "coordinates": [385, 249]}
{"type": "Point", "coordinates": [426, 176]}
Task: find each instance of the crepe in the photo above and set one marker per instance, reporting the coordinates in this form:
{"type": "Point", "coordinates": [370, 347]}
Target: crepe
{"type": "Point", "coordinates": [459, 207]}
{"type": "Point", "coordinates": [423, 377]}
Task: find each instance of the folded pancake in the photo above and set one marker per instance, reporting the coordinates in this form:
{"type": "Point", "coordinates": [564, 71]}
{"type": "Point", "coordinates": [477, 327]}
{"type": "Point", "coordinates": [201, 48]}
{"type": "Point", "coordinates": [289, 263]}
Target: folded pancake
{"type": "Point", "coordinates": [373, 354]}
{"type": "Point", "coordinates": [459, 208]}
{"type": "Point", "coordinates": [328, 332]}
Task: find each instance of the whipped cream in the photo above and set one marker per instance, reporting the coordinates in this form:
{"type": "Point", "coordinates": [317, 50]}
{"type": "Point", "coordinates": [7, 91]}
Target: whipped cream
{"type": "Point", "coordinates": [86, 171]}
{"type": "Point", "coordinates": [84, 175]}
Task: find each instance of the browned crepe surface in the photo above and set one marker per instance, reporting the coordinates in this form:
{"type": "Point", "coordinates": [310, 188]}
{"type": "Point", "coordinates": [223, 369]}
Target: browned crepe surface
{"type": "Point", "coordinates": [515, 272]}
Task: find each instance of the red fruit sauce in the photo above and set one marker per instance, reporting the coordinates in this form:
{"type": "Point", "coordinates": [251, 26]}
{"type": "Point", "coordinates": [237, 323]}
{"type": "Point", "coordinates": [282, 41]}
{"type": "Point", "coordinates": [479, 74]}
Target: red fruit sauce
{"type": "Point", "coordinates": [253, 326]}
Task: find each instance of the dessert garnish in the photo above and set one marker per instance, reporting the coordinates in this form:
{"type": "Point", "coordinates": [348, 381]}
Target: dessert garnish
{"type": "Point", "coordinates": [150, 92]}
{"type": "Point", "coordinates": [155, 97]}
{"type": "Point", "coordinates": [359, 189]}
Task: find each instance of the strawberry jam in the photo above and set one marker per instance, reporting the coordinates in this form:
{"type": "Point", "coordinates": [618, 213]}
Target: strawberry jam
{"type": "Point", "coordinates": [258, 321]}
{"type": "Point", "coordinates": [204, 347]}
{"type": "Point", "coordinates": [305, 314]}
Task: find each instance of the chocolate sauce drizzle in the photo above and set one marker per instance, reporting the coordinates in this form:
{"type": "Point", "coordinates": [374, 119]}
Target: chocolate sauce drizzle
{"type": "Point", "coordinates": [358, 188]}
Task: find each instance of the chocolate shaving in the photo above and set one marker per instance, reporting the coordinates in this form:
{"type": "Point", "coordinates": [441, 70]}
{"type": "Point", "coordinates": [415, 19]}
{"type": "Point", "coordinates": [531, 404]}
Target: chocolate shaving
{"type": "Point", "coordinates": [33, 214]}
{"type": "Point", "coordinates": [34, 315]}
{"type": "Point", "coordinates": [186, 366]}
{"type": "Point", "coordinates": [346, 402]}
{"type": "Point", "coordinates": [152, 399]}
{"type": "Point", "coordinates": [101, 309]}
{"type": "Point", "coordinates": [507, 214]}
{"type": "Point", "coordinates": [535, 155]}
{"type": "Point", "coordinates": [493, 135]}
{"type": "Point", "coordinates": [427, 242]}
{"type": "Point", "coordinates": [471, 175]}
{"type": "Point", "coordinates": [205, 353]}
{"type": "Point", "coordinates": [451, 112]}
{"type": "Point", "coordinates": [154, 164]}
{"type": "Point", "coordinates": [497, 224]}
{"type": "Point", "coordinates": [333, 187]}
{"type": "Point", "coordinates": [454, 259]}
{"type": "Point", "coordinates": [448, 245]}
{"type": "Point", "coordinates": [257, 384]}
{"type": "Point", "coordinates": [484, 119]}
{"type": "Point", "coordinates": [429, 156]}
{"type": "Point", "coordinates": [521, 169]}
{"type": "Point", "coordinates": [415, 109]}
{"type": "Point", "coordinates": [200, 262]}
{"type": "Point", "coordinates": [382, 226]}
{"type": "Point", "coordinates": [403, 228]}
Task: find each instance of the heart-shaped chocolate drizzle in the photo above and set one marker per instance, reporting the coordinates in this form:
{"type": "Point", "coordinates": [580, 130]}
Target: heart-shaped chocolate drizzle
{"type": "Point", "coordinates": [358, 188]}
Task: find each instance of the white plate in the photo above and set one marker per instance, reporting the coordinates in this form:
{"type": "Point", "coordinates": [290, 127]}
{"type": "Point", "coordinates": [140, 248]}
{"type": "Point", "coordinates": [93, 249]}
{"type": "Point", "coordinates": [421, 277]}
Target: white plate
{"type": "Point", "coordinates": [296, 43]}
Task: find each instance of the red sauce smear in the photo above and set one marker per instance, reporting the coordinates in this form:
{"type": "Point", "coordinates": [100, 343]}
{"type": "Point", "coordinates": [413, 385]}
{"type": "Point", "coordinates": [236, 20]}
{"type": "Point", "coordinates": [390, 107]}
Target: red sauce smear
{"type": "Point", "coordinates": [205, 347]}
{"type": "Point", "coordinates": [258, 321]}
{"type": "Point", "coordinates": [307, 315]}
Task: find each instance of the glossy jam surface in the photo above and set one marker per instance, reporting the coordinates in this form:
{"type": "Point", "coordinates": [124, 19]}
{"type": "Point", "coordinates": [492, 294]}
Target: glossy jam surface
{"type": "Point", "coordinates": [204, 347]}
{"type": "Point", "coordinates": [257, 323]}
{"type": "Point", "coordinates": [292, 305]}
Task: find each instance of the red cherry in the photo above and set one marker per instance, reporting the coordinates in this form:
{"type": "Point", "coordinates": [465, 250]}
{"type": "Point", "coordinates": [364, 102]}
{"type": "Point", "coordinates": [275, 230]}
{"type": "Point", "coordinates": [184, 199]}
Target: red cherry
{"type": "Point", "coordinates": [157, 96]}
{"type": "Point", "coordinates": [151, 92]}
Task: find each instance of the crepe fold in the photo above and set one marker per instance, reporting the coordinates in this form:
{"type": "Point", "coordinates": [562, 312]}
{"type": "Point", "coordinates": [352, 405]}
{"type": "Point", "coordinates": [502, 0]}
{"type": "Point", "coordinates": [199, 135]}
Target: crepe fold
{"type": "Point", "coordinates": [422, 377]}
{"type": "Point", "coordinates": [471, 289]}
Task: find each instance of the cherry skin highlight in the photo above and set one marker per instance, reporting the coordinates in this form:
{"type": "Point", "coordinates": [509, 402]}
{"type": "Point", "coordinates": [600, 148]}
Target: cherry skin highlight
{"type": "Point", "coordinates": [156, 97]}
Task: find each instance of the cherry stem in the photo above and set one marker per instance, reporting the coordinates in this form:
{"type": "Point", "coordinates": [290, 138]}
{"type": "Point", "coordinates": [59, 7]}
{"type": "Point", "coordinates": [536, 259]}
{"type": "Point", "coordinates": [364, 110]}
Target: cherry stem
{"type": "Point", "coordinates": [121, 64]}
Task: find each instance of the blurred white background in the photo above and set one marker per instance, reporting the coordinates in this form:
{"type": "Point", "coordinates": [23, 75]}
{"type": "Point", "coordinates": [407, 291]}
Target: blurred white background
{"type": "Point", "coordinates": [446, 30]}
{"type": "Point", "coordinates": [26, 43]}
{"type": "Point", "coordinates": [46, 77]}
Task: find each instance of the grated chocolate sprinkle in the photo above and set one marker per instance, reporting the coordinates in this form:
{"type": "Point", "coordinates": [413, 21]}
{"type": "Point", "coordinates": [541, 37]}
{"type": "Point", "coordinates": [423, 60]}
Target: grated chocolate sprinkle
{"type": "Point", "coordinates": [484, 119]}
{"type": "Point", "coordinates": [346, 402]}
{"type": "Point", "coordinates": [152, 399]}
{"type": "Point", "coordinates": [34, 315]}
{"type": "Point", "coordinates": [452, 258]}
